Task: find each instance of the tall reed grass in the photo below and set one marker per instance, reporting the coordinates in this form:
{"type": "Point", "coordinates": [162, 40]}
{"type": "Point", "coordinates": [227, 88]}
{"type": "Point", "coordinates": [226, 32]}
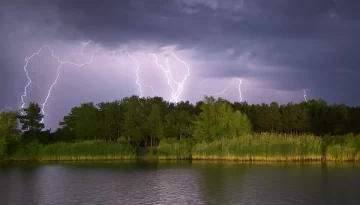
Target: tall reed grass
{"type": "Point", "coordinates": [262, 147]}
{"type": "Point", "coordinates": [343, 148]}
{"type": "Point", "coordinates": [79, 151]}
{"type": "Point", "coordinates": [259, 147]}
{"type": "Point", "coordinates": [174, 149]}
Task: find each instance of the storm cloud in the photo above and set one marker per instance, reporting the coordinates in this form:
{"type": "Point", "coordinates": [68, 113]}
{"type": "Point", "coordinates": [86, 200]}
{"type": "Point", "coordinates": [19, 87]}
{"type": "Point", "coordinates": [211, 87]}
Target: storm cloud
{"type": "Point", "coordinates": [277, 47]}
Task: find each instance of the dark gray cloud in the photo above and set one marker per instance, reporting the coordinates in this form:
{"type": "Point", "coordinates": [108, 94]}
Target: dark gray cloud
{"type": "Point", "coordinates": [275, 44]}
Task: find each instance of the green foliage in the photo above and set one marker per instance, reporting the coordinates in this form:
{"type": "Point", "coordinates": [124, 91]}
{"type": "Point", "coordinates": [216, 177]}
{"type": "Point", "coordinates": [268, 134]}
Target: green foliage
{"type": "Point", "coordinates": [8, 131]}
{"type": "Point", "coordinates": [247, 147]}
{"type": "Point", "coordinates": [343, 148]}
{"type": "Point", "coordinates": [82, 121]}
{"type": "Point", "coordinates": [31, 120]}
{"type": "Point", "coordinates": [218, 120]}
{"type": "Point", "coordinates": [84, 150]}
{"type": "Point", "coordinates": [175, 149]}
{"type": "Point", "coordinates": [210, 129]}
{"type": "Point", "coordinates": [155, 123]}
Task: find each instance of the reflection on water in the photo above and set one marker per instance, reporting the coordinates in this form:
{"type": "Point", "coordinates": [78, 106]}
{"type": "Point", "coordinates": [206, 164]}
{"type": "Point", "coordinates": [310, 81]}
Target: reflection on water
{"type": "Point", "coordinates": [178, 183]}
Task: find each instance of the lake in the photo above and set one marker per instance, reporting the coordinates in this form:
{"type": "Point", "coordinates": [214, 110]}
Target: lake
{"type": "Point", "coordinates": [193, 183]}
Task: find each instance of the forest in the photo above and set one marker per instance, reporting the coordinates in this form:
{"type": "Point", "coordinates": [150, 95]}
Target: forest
{"type": "Point", "coordinates": [210, 129]}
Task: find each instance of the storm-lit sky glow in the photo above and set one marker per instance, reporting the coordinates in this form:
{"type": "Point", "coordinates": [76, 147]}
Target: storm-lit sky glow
{"type": "Point", "coordinates": [279, 49]}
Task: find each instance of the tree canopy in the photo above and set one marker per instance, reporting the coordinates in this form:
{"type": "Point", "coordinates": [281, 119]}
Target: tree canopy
{"type": "Point", "coordinates": [147, 121]}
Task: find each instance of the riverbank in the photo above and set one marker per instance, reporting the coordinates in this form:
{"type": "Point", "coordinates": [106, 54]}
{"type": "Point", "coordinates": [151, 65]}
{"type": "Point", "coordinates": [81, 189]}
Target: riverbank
{"type": "Point", "coordinates": [265, 147]}
{"type": "Point", "coordinates": [92, 150]}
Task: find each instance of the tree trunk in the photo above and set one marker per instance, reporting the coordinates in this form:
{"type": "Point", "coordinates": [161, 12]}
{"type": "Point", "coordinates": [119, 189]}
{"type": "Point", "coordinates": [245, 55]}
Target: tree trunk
{"type": "Point", "coordinates": [151, 141]}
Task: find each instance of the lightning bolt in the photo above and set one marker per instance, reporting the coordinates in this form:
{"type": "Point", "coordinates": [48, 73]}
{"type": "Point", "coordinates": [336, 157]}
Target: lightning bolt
{"type": "Point", "coordinates": [57, 74]}
{"type": "Point", "coordinates": [222, 92]}
{"type": "Point", "coordinates": [81, 52]}
{"type": "Point", "coordinates": [6, 108]}
{"type": "Point", "coordinates": [36, 85]}
{"type": "Point", "coordinates": [305, 95]}
{"type": "Point", "coordinates": [180, 90]}
{"type": "Point", "coordinates": [137, 73]}
{"type": "Point", "coordinates": [240, 94]}
{"type": "Point", "coordinates": [167, 74]}
{"type": "Point", "coordinates": [152, 89]}
{"type": "Point", "coordinates": [175, 94]}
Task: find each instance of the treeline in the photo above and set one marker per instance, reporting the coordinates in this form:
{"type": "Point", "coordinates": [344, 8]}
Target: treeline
{"type": "Point", "coordinates": [147, 119]}
{"type": "Point", "coordinates": [314, 116]}
{"type": "Point", "coordinates": [147, 122]}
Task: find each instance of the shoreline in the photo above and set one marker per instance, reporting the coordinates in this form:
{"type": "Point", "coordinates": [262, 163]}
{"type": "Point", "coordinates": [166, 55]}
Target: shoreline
{"type": "Point", "coordinates": [240, 159]}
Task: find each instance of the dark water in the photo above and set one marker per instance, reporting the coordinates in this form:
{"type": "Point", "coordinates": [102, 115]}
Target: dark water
{"type": "Point", "coordinates": [173, 183]}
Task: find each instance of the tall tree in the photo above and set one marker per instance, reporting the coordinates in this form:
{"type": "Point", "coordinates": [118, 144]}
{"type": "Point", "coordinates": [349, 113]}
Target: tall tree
{"type": "Point", "coordinates": [8, 131]}
{"type": "Point", "coordinates": [110, 119]}
{"type": "Point", "coordinates": [275, 115]}
{"type": "Point", "coordinates": [218, 120]}
{"type": "Point", "coordinates": [82, 121]}
{"type": "Point", "coordinates": [31, 120]}
{"type": "Point", "coordinates": [155, 123]}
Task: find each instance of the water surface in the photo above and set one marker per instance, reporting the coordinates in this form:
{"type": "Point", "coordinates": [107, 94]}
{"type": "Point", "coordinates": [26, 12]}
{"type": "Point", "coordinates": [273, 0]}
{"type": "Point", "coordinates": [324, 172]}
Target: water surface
{"type": "Point", "coordinates": [179, 183]}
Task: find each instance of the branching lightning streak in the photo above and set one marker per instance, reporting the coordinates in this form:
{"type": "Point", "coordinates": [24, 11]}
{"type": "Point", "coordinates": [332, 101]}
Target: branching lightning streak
{"type": "Point", "coordinates": [152, 89]}
{"type": "Point", "coordinates": [31, 87]}
{"type": "Point", "coordinates": [240, 94]}
{"type": "Point", "coordinates": [81, 52]}
{"type": "Point", "coordinates": [27, 76]}
{"type": "Point", "coordinates": [180, 90]}
{"type": "Point", "coordinates": [38, 86]}
{"type": "Point", "coordinates": [57, 76]}
{"type": "Point", "coordinates": [172, 78]}
{"type": "Point", "coordinates": [222, 92]}
{"type": "Point", "coordinates": [175, 94]}
{"type": "Point", "coordinates": [167, 74]}
{"type": "Point", "coordinates": [137, 73]}
{"type": "Point", "coordinates": [6, 108]}
{"type": "Point", "coordinates": [305, 95]}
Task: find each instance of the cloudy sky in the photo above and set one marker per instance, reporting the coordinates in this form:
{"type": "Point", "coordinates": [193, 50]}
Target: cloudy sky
{"type": "Point", "coordinates": [277, 48]}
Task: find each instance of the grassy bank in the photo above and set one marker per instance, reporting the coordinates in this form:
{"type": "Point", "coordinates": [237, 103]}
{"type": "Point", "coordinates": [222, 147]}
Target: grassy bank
{"type": "Point", "coordinates": [343, 148]}
{"type": "Point", "coordinates": [79, 151]}
{"type": "Point", "coordinates": [265, 147]}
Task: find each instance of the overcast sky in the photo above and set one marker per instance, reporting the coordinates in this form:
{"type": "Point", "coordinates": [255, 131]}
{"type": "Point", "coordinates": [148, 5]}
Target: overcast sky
{"type": "Point", "coordinates": [278, 48]}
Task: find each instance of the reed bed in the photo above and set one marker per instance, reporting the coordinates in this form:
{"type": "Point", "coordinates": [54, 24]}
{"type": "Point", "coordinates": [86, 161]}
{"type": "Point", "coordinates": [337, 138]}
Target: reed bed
{"type": "Point", "coordinates": [79, 151]}
{"type": "Point", "coordinates": [264, 147]}
{"type": "Point", "coordinates": [260, 147]}
{"type": "Point", "coordinates": [343, 148]}
{"type": "Point", "coordinates": [174, 149]}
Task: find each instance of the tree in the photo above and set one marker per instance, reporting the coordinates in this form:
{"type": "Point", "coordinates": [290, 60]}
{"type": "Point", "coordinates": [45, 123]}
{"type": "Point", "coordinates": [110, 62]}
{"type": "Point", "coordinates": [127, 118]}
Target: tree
{"type": "Point", "coordinates": [240, 124]}
{"type": "Point", "coordinates": [110, 119]}
{"type": "Point", "coordinates": [31, 120]}
{"type": "Point", "coordinates": [82, 121]}
{"type": "Point", "coordinates": [155, 123]}
{"type": "Point", "coordinates": [218, 120]}
{"type": "Point", "coordinates": [205, 123]}
{"type": "Point", "coordinates": [275, 115]}
{"type": "Point", "coordinates": [135, 117]}
{"type": "Point", "coordinates": [8, 131]}
{"type": "Point", "coordinates": [338, 115]}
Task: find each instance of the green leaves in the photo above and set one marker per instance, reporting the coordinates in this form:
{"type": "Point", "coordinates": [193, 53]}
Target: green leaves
{"type": "Point", "coordinates": [82, 121]}
{"type": "Point", "coordinates": [8, 131]}
{"type": "Point", "coordinates": [218, 120]}
{"type": "Point", "coordinates": [31, 120]}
